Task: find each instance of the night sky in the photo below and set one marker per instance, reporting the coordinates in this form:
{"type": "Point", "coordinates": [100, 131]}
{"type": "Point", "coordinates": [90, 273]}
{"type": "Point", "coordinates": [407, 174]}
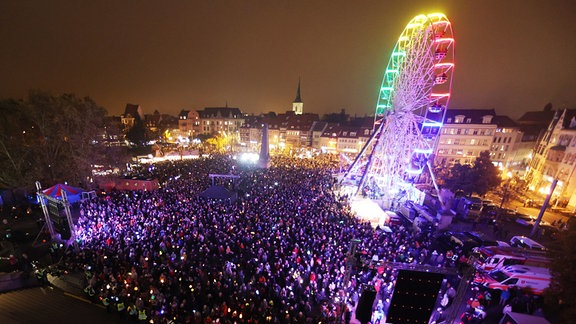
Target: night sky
{"type": "Point", "coordinates": [512, 55]}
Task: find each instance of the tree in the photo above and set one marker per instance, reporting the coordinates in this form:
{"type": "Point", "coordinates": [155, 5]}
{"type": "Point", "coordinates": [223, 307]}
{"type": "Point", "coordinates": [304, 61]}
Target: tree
{"type": "Point", "coordinates": [137, 135]}
{"type": "Point", "coordinates": [48, 138]}
{"type": "Point", "coordinates": [487, 174]}
{"type": "Point", "coordinates": [560, 297]}
{"type": "Point", "coordinates": [218, 143]}
{"type": "Point", "coordinates": [479, 178]}
{"type": "Point", "coordinates": [15, 143]}
{"type": "Point", "coordinates": [460, 177]}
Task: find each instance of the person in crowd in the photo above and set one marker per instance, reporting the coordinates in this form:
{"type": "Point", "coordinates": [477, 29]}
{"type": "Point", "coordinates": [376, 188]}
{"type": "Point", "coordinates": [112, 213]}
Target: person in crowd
{"type": "Point", "coordinates": [504, 296]}
{"type": "Point", "coordinates": [276, 254]}
{"type": "Point", "coordinates": [507, 309]}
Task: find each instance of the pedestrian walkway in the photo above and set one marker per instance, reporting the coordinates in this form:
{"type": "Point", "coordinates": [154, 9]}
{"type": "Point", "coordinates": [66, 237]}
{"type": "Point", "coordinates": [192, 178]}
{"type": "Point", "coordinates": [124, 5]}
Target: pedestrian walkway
{"type": "Point", "coordinates": [47, 305]}
{"type": "Point", "coordinates": [71, 283]}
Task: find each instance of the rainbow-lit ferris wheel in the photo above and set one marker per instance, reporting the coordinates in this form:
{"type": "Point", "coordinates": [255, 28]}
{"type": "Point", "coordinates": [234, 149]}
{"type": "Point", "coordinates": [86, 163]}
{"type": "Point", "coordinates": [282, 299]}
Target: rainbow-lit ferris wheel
{"type": "Point", "coordinates": [410, 112]}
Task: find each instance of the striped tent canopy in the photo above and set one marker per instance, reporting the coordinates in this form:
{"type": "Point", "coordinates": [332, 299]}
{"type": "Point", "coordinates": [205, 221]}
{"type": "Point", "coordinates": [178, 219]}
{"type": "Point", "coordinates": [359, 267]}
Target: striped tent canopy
{"type": "Point", "coordinates": [56, 191]}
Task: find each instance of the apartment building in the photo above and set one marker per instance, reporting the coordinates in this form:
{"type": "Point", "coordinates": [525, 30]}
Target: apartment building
{"type": "Point", "coordinates": [466, 133]}
{"type": "Point", "coordinates": [189, 122]}
{"type": "Point", "coordinates": [215, 120]}
{"type": "Point", "coordinates": [344, 139]}
{"type": "Point", "coordinates": [504, 151]}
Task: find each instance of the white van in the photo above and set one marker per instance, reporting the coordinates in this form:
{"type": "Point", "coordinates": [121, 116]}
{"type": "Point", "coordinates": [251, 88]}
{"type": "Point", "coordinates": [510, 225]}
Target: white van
{"type": "Point", "coordinates": [488, 258]}
{"type": "Point", "coordinates": [526, 243]}
{"type": "Point", "coordinates": [521, 276]}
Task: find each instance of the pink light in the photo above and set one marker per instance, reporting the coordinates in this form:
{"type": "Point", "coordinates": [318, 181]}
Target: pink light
{"type": "Point", "coordinates": [444, 66]}
{"type": "Point", "coordinates": [436, 96]}
{"type": "Point", "coordinates": [444, 40]}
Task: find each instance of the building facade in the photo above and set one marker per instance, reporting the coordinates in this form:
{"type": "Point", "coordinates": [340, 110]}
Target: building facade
{"type": "Point", "coordinates": [553, 161]}
{"type": "Point", "coordinates": [504, 151]}
{"type": "Point", "coordinates": [465, 133]}
{"type": "Point", "coordinates": [214, 120]}
{"type": "Point", "coordinates": [132, 114]}
{"type": "Point", "coordinates": [189, 122]}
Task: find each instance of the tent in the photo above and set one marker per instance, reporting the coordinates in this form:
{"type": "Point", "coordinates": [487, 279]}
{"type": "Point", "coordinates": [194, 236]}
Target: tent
{"type": "Point", "coordinates": [216, 192]}
{"type": "Point", "coordinates": [72, 193]}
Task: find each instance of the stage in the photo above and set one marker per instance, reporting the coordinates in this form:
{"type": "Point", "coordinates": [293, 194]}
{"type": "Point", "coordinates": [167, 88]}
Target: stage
{"type": "Point", "coordinates": [369, 210]}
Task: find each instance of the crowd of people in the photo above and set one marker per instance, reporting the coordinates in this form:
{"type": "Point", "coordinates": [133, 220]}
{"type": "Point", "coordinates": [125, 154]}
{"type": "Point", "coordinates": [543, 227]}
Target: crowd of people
{"type": "Point", "coordinates": [278, 253]}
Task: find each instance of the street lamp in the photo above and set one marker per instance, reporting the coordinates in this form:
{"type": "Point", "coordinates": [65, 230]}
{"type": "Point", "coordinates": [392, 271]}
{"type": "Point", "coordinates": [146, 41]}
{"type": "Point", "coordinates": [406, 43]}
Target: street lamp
{"type": "Point", "coordinates": [543, 209]}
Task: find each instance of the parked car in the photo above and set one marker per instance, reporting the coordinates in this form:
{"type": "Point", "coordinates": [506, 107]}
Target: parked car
{"type": "Point", "coordinates": [526, 243]}
{"type": "Point", "coordinates": [444, 240]}
{"type": "Point", "coordinates": [486, 202]}
{"type": "Point", "coordinates": [550, 231]}
{"type": "Point", "coordinates": [488, 258]}
{"type": "Point", "coordinates": [534, 278]}
{"type": "Point", "coordinates": [507, 214]}
{"type": "Point", "coordinates": [490, 211]}
{"type": "Point", "coordinates": [528, 220]}
{"type": "Point", "coordinates": [483, 240]}
{"type": "Point", "coordinates": [451, 241]}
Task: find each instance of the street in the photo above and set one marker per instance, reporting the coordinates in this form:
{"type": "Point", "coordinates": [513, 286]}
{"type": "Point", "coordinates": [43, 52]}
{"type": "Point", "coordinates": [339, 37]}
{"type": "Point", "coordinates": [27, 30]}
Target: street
{"type": "Point", "coordinates": [50, 305]}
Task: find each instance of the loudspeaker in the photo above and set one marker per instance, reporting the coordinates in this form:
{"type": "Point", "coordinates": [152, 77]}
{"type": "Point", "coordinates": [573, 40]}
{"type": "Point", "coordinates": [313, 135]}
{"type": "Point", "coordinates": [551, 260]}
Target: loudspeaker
{"type": "Point", "coordinates": [364, 308]}
{"type": "Point", "coordinates": [414, 297]}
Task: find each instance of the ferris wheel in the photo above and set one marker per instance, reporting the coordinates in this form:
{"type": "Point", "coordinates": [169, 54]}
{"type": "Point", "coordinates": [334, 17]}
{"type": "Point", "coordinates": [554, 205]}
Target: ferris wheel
{"type": "Point", "coordinates": [410, 111]}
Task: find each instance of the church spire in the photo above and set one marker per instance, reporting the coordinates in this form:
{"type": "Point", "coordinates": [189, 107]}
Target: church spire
{"type": "Point", "coordinates": [298, 98]}
{"type": "Point", "coordinates": [298, 105]}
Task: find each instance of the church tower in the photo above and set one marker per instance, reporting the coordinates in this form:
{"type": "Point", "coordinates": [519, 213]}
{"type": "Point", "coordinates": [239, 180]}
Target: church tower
{"type": "Point", "coordinates": [298, 105]}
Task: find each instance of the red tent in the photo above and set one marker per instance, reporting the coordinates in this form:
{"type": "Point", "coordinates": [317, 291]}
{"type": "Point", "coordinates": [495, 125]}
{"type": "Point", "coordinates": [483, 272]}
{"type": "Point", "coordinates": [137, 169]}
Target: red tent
{"type": "Point", "coordinates": [55, 191]}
